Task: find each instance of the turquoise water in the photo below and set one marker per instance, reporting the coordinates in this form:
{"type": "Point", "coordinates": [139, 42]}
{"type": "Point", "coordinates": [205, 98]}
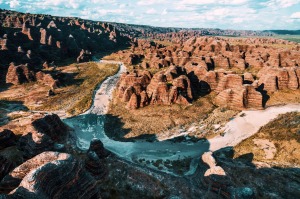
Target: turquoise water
{"type": "Point", "coordinates": [167, 156]}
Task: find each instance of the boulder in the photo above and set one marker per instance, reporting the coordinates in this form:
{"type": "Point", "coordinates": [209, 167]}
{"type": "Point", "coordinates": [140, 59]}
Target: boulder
{"type": "Point", "coordinates": [97, 147]}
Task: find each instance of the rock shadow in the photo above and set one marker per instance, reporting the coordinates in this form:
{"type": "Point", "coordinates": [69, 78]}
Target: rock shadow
{"type": "Point", "coordinates": [264, 94]}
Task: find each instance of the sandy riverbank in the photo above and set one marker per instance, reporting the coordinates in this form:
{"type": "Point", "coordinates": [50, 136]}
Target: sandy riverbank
{"type": "Point", "coordinates": [247, 123]}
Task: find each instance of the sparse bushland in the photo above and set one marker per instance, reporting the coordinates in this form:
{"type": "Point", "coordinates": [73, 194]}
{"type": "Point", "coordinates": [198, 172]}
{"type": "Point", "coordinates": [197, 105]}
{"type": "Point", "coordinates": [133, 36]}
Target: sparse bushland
{"type": "Point", "coordinates": [77, 98]}
{"type": "Point", "coordinates": [73, 97]}
{"type": "Point", "coordinates": [284, 97]}
{"type": "Point", "coordinates": [283, 133]}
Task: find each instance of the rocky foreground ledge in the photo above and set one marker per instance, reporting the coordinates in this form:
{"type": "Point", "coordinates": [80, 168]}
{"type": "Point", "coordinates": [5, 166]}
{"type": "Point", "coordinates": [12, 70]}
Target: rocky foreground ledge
{"type": "Point", "coordinates": [46, 165]}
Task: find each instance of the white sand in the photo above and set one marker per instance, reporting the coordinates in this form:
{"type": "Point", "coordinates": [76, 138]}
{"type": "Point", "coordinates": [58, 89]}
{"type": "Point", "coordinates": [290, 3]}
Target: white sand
{"type": "Point", "coordinates": [241, 128]}
{"type": "Point", "coordinates": [103, 95]}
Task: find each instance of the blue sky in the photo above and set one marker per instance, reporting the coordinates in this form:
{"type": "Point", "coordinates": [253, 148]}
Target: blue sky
{"type": "Point", "coordinates": [224, 14]}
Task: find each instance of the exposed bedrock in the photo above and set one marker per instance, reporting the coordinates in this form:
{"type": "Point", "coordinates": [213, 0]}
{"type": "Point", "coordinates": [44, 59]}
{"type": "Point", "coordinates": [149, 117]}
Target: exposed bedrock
{"type": "Point", "coordinates": [51, 175]}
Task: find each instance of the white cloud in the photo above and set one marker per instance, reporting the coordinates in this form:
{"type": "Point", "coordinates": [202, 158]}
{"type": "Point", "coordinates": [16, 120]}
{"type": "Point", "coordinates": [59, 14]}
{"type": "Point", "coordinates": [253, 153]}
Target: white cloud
{"type": "Point", "coordinates": [204, 2]}
{"type": "Point", "coordinates": [164, 12]}
{"type": "Point", "coordinates": [148, 2]}
{"type": "Point", "coordinates": [75, 4]}
{"type": "Point", "coordinates": [238, 20]}
{"type": "Point", "coordinates": [280, 3]}
{"type": "Point", "coordinates": [14, 4]}
{"type": "Point", "coordinates": [123, 5]}
{"type": "Point", "coordinates": [225, 14]}
{"type": "Point", "coordinates": [151, 11]}
{"type": "Point", "coordinates": [295, 15]}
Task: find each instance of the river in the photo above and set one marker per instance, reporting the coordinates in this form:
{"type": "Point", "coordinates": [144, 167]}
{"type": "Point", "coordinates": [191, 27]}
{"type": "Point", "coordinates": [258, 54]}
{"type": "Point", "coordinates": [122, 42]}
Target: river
{"type": "Point", "coordinates": [177, 158]}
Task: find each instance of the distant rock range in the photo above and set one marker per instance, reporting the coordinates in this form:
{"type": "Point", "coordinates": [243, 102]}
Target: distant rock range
{"type": "Point", "coordinates": [38, 40]}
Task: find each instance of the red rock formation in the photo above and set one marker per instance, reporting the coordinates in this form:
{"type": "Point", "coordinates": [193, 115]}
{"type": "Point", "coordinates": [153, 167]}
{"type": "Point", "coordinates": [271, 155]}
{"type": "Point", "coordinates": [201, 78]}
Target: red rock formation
{"type": "Point", "coordinates": [221, 62]}
{"type": "Point", "coordinates": [47, 79]}
{"type": "Point", "coordinates": [230, 81]}
{"type": "Point", "coordinates": [248, 78]}
{"type": "Point", "coordinates": [272, 79]}
{"type": "Point", "coordinates": [43, 36]}
{"type": "Point", "coordinates": [240, 98]}
{"type": "Point", "coordinates": [19, 74]}
{"type": "Point", "coordinates": [133, 102]}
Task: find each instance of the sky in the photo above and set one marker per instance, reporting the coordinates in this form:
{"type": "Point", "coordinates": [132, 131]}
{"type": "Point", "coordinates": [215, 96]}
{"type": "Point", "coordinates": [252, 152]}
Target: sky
{"type": "Point", "coordinates": [223, 14]}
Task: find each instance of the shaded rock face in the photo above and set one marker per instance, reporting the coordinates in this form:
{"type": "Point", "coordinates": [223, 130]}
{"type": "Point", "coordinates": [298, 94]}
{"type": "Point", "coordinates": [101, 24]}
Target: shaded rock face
{"type": "Point", "coordinates": [98, 147]}
{"type": "Point", "coordinates": [45, 132]}
{"type": "Point", "coordinates": [49, 38]}
{"type": "Point", "coordinates": [52, 126]}
{"type": "Point", "coordinates": [5, 167]}
{"type": "Point", "coordinates": [7, 139]}
{"type": "Point", "coordinates": [52, 175]}
{"type": "Point", "coordinates": [95, 165]}
{"type": "Point", "coordinates": [32, 144]}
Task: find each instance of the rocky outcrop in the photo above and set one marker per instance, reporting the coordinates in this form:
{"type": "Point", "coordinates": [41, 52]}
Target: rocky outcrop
{"type": "Point", "coordinates": [52, 126]}
{"type": "Point", "coordinates": [240, 98]}
{"type": "Point", "coordinates": [7, 139]}
{"type": "Point", "coordinates": [47, 79]}
{"type": "Point", "coordinates": [230, 81]}
{"type": "Point", "coordinates": [272, 79]}
{"type": "Point", "coordinates": [97, 147]}
{"type": "Point", "coordinates": [84, 56]}
{"type": "Point", "coordinates": [19, 74]}
{"type": "Point", "coordinates": [95, 165]}
{"type": "Point", "coordinates": [33, 144]}
{"type": "Point", "coordinates": [208, 158]}
{"type": "Point", "coordinates": [51, 175]}
{"type": "Point", "coordinates": [44, 133]}
{"type": "Point", "coordinates": [52, 38]}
